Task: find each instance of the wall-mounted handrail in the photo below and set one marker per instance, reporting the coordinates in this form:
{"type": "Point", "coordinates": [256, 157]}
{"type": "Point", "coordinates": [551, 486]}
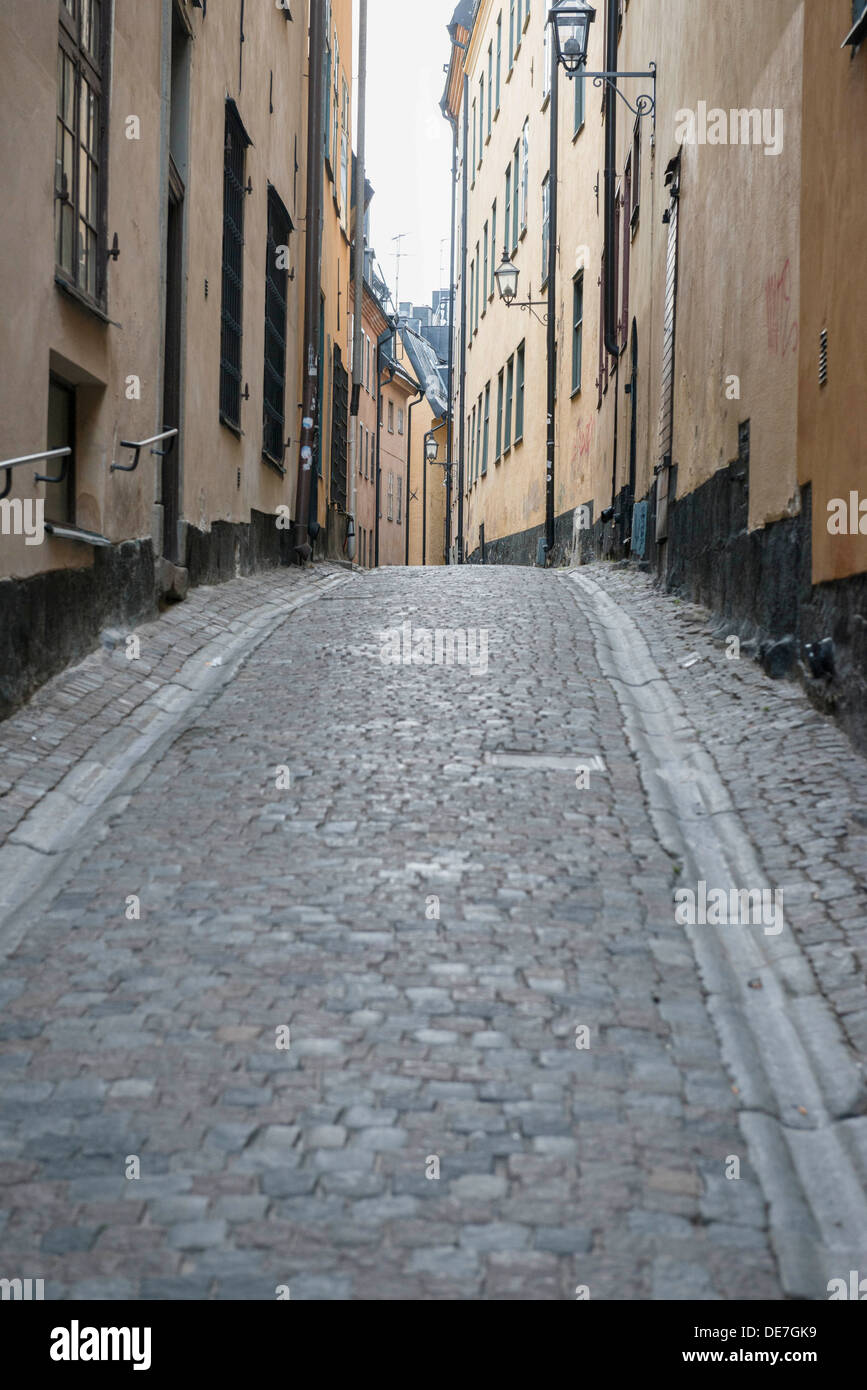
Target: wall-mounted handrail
{"type": "Point", "coordinates": [9, 464]}
{"type": "Point", "coordinates": [138, 445]}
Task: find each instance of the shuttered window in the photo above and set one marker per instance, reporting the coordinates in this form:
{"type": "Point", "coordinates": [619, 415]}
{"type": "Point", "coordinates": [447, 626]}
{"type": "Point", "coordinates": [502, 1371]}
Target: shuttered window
{"type": "Point", "coordinates": [276, 294]}
{"type": "Point", "coordinates": [231, 314]}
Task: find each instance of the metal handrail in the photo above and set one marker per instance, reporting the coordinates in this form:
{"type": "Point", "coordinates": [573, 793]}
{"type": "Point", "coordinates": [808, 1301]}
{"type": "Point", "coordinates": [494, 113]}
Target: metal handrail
{"type": "Point", "coordinates": [138, 445]}
{"type": "Point", "coordinates": [9, 464]}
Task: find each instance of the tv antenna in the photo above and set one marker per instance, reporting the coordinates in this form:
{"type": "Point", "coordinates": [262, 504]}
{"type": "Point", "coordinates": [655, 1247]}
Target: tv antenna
{"type": "Point", "coordinates": [398, 257]}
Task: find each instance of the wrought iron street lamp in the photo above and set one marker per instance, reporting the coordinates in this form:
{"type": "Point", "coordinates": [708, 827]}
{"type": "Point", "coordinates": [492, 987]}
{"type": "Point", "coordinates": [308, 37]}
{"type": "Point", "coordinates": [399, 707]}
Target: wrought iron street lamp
{"type": "Point", "coordinates": [431, 449]}
{"type": "Point", "coordinates": [572, 33]}
{"type": "Point", "coordinates": [506, 277]}
{"type": "Point", "coordinates": [571, 20]}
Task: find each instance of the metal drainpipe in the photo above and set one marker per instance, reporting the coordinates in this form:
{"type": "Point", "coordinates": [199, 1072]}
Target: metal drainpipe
{"type": "Point", "coordinates": [312, 281]}
{"type": "Point", "coordinates": [611, 249]}
{"type": "Point", "coordinates": [610, 176]}
{"type": "Point", "coordinates": [461, 438]}
{"type": "Point", "coordinates": [451, 372]}
{"type": "Point", "coordinates": [357, 326]}
{"type": "Point", "coordinates": [410, 409]}
{"type": "Point", "coordinates": [380, 343]}
{"type": "Point", "coordinates": [553, 113]}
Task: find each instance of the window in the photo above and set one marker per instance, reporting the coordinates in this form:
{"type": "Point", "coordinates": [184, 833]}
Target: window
{"type": "Point", "coordinates": [361, 456]}
{"type": "Point", "coordinates": [602, 381]}
{"type": "Point", "coordinates": [481, 118]}
{"type": "Point", "coordinates": [486, 438]}
{"type": "Point", "coordinates": [399, 498]}
{"type": "Point", "coordinates": [276, 295]}
{"type": "Point", "coordinates": [326, 122]}
{"type": "Point", "coordinates": [511, 33]}
{"type": "Point", "coordinates": [234, 197]}
{"type": "Point", "coordinates": [516, 184]}
{"type": "Point", "coordinates": [475, 144]}
{"type": "Point", "coordinates": [546, 227]}
{"type": "Point", "coordinates": [60, 497]}
{"type": "Point", "coordinates": [525, 174]}
{"type": "Point", "coordinates": [478, 436]}
{"type": "Point", "coordinates": [627, 243]}
{"type": "Point", "coordinates": [508, 227]}
{"type": "Point", "coordinates": [636, 169]}
{"type": "Point", "coordinates": [335, 124]}
{"type": "Point", "coordinates": [390, 496]}
{"type": "Point", "coordinates": [490, 85]}
{"type": "Point", "coordinates": [478, 282]}
{"type": "Point", "coordinates": [486, 273]}
{"type": "Point", "coordinates": [580, 93]}
{"type": "Point", "coordinates": [519, 397]}
{"type": "Point", "coordinates": [400, 419]}
{"type": "Point", "coordinates": [472, 300]}
{"type": "Point", "coordinates": [577, 329]}
{"type": "Point", "coordinates": [391, 417]}
{"type": "Point", "coordinates": [493, 283]}
{"type": "Point", "coordinates": [499, 417]}
{"type": "Point", "coordinates": [499, 55]}
{"type": "Point", "coordinates": [344, 153]}
{"type": "Point", "coordinates": [472, 425]}
{"type": "Point", "coordinates": [81, 148]}
{"type": "Point", "coordinates": [510, 387]}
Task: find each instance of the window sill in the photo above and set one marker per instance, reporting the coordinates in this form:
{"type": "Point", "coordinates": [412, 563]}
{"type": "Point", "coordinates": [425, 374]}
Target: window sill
{"type": "Point", "coordinates": [635, 219]}
{"type": "Point", "coordinates": [576, 391]}
{"type": "Point", "coordinates": [523, 233]}
{"type": "Point", "coordinates": [83, 300]}
{"type": "Point", "coordinates": [231, 426]}
{"type": "Point", "coordinates": [509, 75]}
{"type": "Point", "coordinates": [546, 100]}
{"type": "Point", "coordinates": [578, 131]}
{"type": "Point", "coordinates": [488, 138]}
{"type": "Point", "coordinates": [518, 441]}
{"type": "Point", "coordinates": [273, 463]}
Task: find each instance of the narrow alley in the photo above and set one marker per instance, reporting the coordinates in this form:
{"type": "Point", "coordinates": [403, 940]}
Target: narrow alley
{"type": "Point", "coordinates": [370, 985]}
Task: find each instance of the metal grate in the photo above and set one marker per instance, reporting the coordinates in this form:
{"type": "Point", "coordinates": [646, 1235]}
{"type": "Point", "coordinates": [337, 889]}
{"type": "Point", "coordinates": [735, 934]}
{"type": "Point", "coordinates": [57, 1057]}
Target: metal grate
{"type": "Point", "coordinates": [236, 142]}
{"type": "Point", "coordinates": [276, 296]}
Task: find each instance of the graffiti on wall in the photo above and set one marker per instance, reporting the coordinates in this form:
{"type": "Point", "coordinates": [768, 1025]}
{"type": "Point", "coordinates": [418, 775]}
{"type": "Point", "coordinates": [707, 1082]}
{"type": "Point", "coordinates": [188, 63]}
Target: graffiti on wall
{"type": "Point", "coordinates": [783, 332]}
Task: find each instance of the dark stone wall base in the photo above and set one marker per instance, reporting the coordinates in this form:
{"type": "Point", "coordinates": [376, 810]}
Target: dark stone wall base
{"type": "Point", "coordinates": [234, 548]}
{"type": "Point", "coordinates": [52, 619]}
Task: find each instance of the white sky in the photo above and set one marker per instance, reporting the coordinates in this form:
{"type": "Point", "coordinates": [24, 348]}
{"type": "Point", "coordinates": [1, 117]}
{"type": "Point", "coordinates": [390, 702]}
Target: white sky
{"type": "Point", "coordinates": [408, 143]}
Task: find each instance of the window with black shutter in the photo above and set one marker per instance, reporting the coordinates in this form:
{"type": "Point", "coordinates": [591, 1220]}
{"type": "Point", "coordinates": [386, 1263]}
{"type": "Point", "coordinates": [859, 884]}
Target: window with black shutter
{"type": "Point", "coordinates": [234, 160]}
{"type": "Point", "coordinates": [339, 430]}
{"type": "Point", "coordinates": [276, 294]}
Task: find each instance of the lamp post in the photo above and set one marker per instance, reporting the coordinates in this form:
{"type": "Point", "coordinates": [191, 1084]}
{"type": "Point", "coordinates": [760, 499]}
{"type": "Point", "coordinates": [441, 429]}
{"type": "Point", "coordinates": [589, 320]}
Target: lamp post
{"type": "Point", "coordinates": [431, 450]}
{"type": "Point", "coordinates": [571, 20]}
{"type": "Point", "coordinates": [506, 276]}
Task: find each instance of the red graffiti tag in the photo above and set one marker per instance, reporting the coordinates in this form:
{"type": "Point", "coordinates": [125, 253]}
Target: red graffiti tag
{"type": "Point", "coordinates": [783, 334]}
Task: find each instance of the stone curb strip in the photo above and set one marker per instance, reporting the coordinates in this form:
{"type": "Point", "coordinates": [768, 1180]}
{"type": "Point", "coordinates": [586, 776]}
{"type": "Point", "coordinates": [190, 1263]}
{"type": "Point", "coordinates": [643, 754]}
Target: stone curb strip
{"type": "Point", "coordinates": [801, 1089]}
{"type": "Point", "coordinates": [57, 824]}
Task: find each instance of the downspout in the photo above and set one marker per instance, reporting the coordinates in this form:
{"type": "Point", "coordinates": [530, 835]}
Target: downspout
{"type": "Point", "coordinates": [313, 275]}
{"type": "Point", "coordinates": [357, 327]}
{"type": "Point", "coordinates": [461, 441]}
{"type": "Point", "coordinates": [553, 174]}
{"type": "Point", "coordinates": [611, 249]}
{"type": "Point", "coordinates": [451, 373]}
{"type": "Point", "coordinates": [611, 344]}
{"type": "Point", "coordinates": [410, 409]}
{"type": "Point", "coordinates": [380, 343]}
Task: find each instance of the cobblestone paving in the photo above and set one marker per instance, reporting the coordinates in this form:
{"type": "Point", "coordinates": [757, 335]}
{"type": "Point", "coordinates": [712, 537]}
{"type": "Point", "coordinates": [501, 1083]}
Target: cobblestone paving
{"type": "Point", "coordinates": [412, 1037]}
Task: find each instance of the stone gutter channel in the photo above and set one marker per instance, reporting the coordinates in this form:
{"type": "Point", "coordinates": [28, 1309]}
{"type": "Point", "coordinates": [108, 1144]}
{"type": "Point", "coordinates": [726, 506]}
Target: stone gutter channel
{"type": "Point", "coordinates": [799, 1085]}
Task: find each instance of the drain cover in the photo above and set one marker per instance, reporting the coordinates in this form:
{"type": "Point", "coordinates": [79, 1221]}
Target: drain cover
{"type": "Point", "coordinates": [547, 762]}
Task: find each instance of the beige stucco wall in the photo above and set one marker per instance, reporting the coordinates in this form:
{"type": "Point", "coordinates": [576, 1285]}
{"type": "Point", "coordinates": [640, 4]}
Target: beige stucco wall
{"type": "Point", "coordinates": [212, 454]}
{"type": "Point", "coordinates": [831, 419]}
{"type": "Point", "coordinates": [393, 454]}
{"type": "Point", "coordinates": [41, 327]}
{"type": "Point", "coordinates": [739, 262]}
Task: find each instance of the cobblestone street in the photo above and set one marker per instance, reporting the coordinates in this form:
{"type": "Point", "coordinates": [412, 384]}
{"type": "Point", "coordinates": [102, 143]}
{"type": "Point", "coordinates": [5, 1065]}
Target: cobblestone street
{"type": "Point", "coordinates": [511, 1073]}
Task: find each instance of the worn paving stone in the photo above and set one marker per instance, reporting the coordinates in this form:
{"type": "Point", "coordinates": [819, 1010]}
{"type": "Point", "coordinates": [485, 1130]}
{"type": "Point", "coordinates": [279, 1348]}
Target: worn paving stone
{"type": "Point", "coordinates": [432, 1131]}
